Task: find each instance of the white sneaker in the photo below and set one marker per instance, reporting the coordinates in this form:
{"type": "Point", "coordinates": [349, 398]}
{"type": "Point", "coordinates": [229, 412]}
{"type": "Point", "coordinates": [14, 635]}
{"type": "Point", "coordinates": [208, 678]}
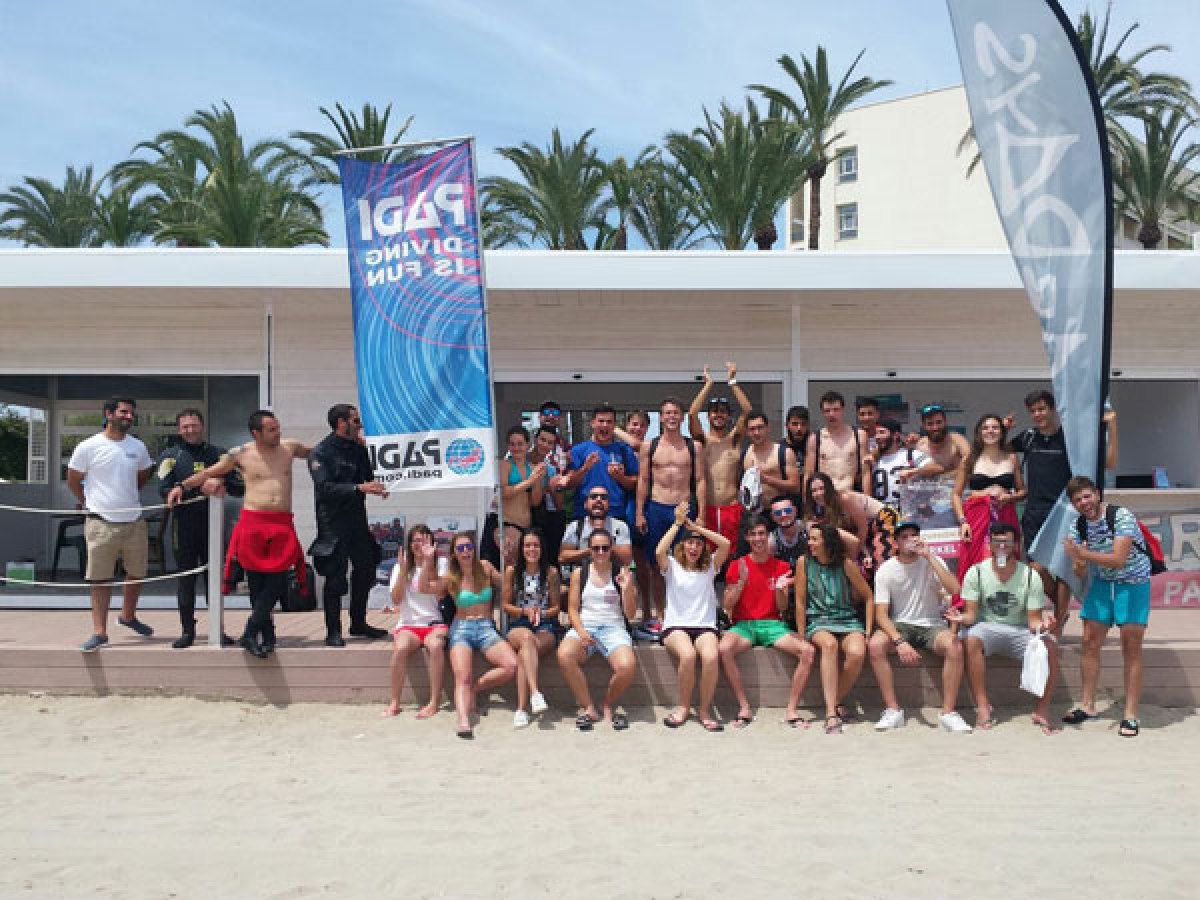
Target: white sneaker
{"type": "Point", "coordinates": [952, 721]}
{"type": "Point", "coordinates": [538, 704]}
{"type": "Point", "coordinates": [891, 718]}
{"type": "Point", "coordinates": [521, 719]}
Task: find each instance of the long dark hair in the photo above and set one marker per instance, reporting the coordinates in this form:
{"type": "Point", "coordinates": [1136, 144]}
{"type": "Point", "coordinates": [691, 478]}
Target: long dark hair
{"type": "Point", "coordinates": [835, 547]}
{"type": "Point", "coordinates": [833, 502]}
{"type": "Point", "coordinates": [543, 563]}
{"type": "Point", "coordinates": [977, 440]}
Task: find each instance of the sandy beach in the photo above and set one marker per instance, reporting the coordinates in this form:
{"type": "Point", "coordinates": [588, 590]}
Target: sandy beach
{"type": "Point", "coordinates": [154, 797]}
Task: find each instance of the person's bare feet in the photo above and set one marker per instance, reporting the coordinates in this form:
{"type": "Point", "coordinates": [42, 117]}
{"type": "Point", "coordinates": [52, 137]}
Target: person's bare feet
{"type": "Point", "coordinates": [425, 712]}
{"type": "Point", "coordinates": [393, 709]}
{"type": "Point", "coordinates": [1043, 723]}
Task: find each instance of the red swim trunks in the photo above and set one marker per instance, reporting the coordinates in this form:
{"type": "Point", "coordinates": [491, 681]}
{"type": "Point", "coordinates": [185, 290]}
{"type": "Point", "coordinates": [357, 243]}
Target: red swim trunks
{"type": "Point", "coordinates": [265, 542]}
{"type": "Point", "coordinates": [725, 521]}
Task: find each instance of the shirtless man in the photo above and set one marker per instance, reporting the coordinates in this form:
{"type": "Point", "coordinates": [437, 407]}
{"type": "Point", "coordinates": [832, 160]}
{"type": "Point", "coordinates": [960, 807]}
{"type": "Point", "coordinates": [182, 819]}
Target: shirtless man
{"type": "Point", "coordinates": [668, 474]}
{"type": "Point", "coordinates": [264, 540]}
{"type": "Point", "coordinates": [840, 451]}
{"type": "Point", "coordinates": [866, 410]}
{"type": "Point", "coordinates": [947, 449]}
{"type": "Point", "coordinates": [723, 514]}
{"type": "Point", "coordinates": [763, 458]}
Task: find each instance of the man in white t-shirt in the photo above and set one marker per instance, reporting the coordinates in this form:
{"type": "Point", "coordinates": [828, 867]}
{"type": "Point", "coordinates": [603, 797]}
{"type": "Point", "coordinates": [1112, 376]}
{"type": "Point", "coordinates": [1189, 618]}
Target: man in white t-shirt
{"type": "Point", "coordinates": [897, 463]}
{"type": "Point", "coordinates": [105, 474]}
{"type": "Point", "coordinates": [910, 589]}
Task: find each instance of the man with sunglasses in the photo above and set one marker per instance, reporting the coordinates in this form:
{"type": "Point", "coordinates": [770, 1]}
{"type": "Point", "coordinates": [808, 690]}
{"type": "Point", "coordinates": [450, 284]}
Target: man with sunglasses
{"type": "Point", "coordinates": [574, 549]}
{"type": "Point", "coordinates": [550, 416]}
{"type": "Point", "coordinates": [342, 477]}
{"type": "Point", "coordinates": [788, 542]}
{"type": "Point", "coordinates": [721, 444]}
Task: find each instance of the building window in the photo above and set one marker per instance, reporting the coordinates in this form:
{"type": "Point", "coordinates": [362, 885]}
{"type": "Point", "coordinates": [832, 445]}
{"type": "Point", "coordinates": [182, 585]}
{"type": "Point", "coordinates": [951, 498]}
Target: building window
{"type": "Point", "coordinates": [797, 230]}
{"type": "Point", "coordinates": [847, 164]}
{"type": "Point", "coordinates": [847, 216]}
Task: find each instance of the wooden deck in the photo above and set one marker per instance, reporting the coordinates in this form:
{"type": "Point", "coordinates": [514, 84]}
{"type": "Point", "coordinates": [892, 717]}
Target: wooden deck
{"type": "Point", "coordinates": [39, 653]}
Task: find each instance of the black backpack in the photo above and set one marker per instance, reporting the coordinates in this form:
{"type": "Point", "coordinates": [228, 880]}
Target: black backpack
{"type": "Point", "coordinates": [585, 570]}
{"type": "Point", "coordinates": [1148, 546]}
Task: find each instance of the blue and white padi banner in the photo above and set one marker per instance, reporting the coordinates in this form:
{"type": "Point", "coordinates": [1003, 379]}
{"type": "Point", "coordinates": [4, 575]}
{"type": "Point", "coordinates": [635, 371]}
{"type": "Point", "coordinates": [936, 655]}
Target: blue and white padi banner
{"type": "Point", "coordinates": [420, 333]}
{"type": "Point", "coordinates": [1041, 134]}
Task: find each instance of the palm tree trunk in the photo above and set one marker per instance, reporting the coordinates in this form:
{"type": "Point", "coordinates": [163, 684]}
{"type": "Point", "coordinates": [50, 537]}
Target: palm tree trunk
{"type": "Point", "coordinates": [814, 209]}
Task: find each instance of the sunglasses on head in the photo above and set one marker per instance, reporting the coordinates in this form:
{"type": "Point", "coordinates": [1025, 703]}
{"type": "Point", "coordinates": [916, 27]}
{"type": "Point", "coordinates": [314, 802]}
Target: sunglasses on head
{"type": "Point", "coordinates": [930, 408]}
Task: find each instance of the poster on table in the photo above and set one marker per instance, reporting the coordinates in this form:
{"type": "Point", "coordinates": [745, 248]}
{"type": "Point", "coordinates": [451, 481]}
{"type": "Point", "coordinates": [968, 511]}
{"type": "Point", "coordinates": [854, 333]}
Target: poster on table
{"type": "Point", "coordinates": [1040, 130]}
{"type": "Point", "coordinates": [420, 329]}
{"type": "Point", "coordinates": [928, 502]}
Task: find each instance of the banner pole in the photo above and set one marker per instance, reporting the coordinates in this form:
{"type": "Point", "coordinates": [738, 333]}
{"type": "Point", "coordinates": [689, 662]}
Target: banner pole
{"type": "Point", "coordinates": [437, 142]}
{"type": "Point", "coordinates": [216, 562]}
{"type": "Point", "coordinates": [487, 341]}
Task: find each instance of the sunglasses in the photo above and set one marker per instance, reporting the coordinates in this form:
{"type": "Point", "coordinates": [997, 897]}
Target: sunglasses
{"type": "Point", "coordinates": [601, 548]}
{"type": "Point", "coordinates": [783, 511]}
{"type": "Point", "coordinates": [930, 408]}
{"type": "Point", "coordinates": [551, 412]}
{"type": "Point", "coordinates": [463, 548]}
{"type": "Point", "coordinates": [597, 496]}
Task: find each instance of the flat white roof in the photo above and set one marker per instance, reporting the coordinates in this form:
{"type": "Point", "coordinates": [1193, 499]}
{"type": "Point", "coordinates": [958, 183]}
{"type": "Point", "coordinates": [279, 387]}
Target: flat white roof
{"type": "Point", "coordinates": [537, 270]}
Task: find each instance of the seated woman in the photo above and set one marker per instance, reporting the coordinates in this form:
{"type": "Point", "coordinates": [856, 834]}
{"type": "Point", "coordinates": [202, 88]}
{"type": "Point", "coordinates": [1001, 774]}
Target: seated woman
{"type": "Point", "coordinates": [829, 587]}
{"type": "Point", "coordinates": [990, 478]}
{"type": "Point", "coordinates": [470, 582]}
{"type": "Point", "coordinates": [522, 486]}
{"type": "Point", "coordinates": [531, 601]}
{"type": "Point", "coordinates": [602, 597]}
{"type": "Point", "coordinates": [690, 622]}
{"type": "Point", "coordinates": [823, 506]}
{"type": "Point", "coordinates": [415, 588]}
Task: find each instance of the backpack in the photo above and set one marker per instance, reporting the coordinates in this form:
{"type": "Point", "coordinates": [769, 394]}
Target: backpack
{"type": "Point", "coordinates": [1149, 546]}
{"type": "Point", "coordinates": [691, 448]}
{"type": "Point", "coordinates": [750, 490]}
{"type": "Point", "coordinates": [857, 456]}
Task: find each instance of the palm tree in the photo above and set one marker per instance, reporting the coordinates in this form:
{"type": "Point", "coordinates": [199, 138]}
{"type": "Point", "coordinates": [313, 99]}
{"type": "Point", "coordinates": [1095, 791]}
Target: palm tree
{"type": "Point", "coordinates": [623, 181]}
{"type": "Point", "coordinates": [1124, 90]}
{"type": "Point", "coordinates": [817, 106]}
{"type": "Point", "coordinates": [663, 210]}
{"type": "Point", "coordinates": [351, 130]}
{"type": "Point", "coordinates": [38, 213]}
{"type": "Point", "coordinates": [1154, 176]}
{"type": "Point", "coordinates": [210, 188]}
{"type": "Point", "coordinates": [499, 228]}
{"type": "Point", "coordinates": [739, 170]}
{"type": "Point", "coordinates": [122, 218]}
{"type": "Point", "coordinates": [559, 196]}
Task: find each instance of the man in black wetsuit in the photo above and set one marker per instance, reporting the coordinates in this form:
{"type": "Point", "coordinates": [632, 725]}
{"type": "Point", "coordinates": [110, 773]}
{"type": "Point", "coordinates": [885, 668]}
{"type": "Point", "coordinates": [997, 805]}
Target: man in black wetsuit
{"type": "Point", "coordinates": [189, 521]}
{"type": "Point", "coordinates": [342, 477]}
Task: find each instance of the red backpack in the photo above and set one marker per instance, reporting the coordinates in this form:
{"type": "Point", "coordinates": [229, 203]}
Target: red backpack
{"type": "Point", "coordinates": [1149, 546]}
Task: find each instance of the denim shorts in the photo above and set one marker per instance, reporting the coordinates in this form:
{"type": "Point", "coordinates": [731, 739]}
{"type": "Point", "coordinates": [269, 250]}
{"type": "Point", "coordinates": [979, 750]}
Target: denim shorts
{"type": "Point", "coordinates": [523, 622]}
{"type": "Point", "coordinates": [478, 634]}
{"type": "Point", "coordinates": [607, 637]}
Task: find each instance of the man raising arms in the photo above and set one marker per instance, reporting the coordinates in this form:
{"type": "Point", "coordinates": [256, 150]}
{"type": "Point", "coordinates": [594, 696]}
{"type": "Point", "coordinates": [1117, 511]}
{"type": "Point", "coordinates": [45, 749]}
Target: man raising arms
{"type": "Point", "coordinates": [723, 512]}
{"type": "Point", "coordinates": [669, 474]}
{"type": "Point", "coordinates": [264, 540]}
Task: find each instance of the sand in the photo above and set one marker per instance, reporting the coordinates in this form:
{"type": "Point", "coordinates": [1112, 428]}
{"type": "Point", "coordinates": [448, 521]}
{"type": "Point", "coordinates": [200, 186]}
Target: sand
{"type": "Point", "coordinates": [158, 797]}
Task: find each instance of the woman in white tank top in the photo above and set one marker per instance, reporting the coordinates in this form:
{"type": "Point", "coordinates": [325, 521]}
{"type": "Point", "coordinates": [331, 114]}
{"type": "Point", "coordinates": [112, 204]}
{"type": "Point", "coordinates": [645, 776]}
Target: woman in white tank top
{"type": "Point", "coordinates": [416, 586]}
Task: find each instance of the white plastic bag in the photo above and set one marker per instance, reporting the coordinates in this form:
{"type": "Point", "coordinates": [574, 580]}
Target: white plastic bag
{"type": "Point", "coordinates": [1035, 671]}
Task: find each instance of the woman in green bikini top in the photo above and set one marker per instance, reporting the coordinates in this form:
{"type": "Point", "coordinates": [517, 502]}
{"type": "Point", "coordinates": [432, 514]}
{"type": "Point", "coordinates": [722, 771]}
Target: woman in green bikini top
{"type": "Point", "coordinates": [471, 583]}
{"type": "Point", "coordinates": [830, 589]}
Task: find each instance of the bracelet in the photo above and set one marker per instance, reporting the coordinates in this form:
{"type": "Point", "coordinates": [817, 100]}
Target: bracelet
{"type": "Point", "coordinates": [732, 380]}
{"type": "Point", "coordinates": [898, 641]}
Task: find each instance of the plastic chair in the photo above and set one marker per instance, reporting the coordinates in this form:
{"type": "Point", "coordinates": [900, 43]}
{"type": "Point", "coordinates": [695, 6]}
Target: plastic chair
{"type": "Point", "coordinates": [68, 541]}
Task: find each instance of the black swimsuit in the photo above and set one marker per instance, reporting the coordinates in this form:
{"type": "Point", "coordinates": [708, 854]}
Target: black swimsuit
{"type": "Point", "coordinates": [981, 482]}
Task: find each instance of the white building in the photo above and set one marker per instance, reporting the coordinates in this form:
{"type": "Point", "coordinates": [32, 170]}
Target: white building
{"type": "Point", "coordinates": [898, 184]}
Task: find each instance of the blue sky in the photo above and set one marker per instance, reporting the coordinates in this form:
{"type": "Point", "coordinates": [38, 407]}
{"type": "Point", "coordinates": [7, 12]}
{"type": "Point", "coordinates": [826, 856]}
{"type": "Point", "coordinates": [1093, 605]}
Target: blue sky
{"type": "Point", "coordinates": [83, 82]}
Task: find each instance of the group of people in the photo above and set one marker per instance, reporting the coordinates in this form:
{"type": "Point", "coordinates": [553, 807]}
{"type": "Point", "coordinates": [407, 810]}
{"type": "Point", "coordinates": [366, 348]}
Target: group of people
{"type": "Point", "coordinates": [710, 543]}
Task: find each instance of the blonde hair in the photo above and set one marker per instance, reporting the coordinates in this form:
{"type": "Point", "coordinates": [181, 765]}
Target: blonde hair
{"type": "Point", "coordinates": [705, 553]}
{"type": "Point", "coordinates": [454, 575]}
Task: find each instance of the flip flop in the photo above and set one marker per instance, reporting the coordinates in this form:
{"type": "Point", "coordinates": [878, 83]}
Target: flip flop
{"type": "Point", "coordinates": [619, 721]}
{"type": "Point", "coordinates": [987, 723]}
{"type": "Point", "coordinates": [796, 722]}
{"type": "Point", "coordinates": [1129, 728]}
{"type": "Point", "coordinates": [833, 725]}
{"type": "Point", "coordinates": [845, 713]}
{"type": "Point", "coordinates": [742, 721]}
{"type": "Point", "coordinates": [1077, 716]}
{"type": "Point", "coordinates": [672, 722]}
{"type": "Point", "coordinates": [585, 722]}
{"type": "Point", "coordinates": [712, 725]}
{"type": "Point", "coordinates": [467, 734]}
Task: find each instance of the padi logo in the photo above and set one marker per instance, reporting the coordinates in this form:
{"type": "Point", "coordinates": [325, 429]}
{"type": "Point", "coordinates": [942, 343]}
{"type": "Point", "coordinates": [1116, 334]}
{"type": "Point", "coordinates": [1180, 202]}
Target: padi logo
{"type": "Point", "coordinates": [410, 459]}
{"type": "Point", "coordinates": [464, 456]}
